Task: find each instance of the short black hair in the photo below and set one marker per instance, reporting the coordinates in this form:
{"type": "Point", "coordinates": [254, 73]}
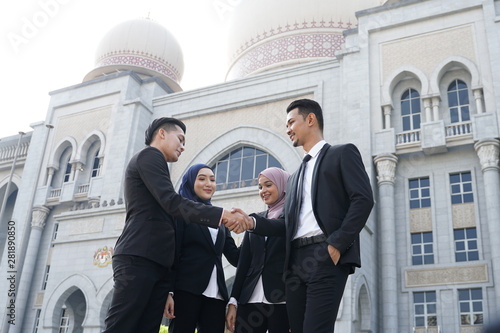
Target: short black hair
{"type": "Point", "coordinates": [167, 123]}
{"type": "Point", "coordinates": [306, 106]}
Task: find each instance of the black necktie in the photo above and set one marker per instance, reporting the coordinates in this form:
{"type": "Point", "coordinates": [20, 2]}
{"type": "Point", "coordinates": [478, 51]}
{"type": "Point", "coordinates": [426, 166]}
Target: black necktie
{"type": "Point", "coordinates": [299, 187]}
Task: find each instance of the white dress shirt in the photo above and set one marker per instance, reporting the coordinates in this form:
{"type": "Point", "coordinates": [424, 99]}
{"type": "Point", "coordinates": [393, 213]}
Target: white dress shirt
{"type": "Point", "coordinates": [212, 290]}
{"type": "Point", "coordinates": [307, 225]}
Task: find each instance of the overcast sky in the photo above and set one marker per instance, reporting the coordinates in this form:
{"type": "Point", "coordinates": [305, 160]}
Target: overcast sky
{"type": "Point", "coordinates": [50, 44]}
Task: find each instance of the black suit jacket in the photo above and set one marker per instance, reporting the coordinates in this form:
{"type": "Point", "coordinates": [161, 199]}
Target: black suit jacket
{"type": "Point", "coordinates": [260, 257]}
{"type": "Point", "coordinates": [152, 204]}
{"type": "Point", "coordinates": [197, 254]}
{"type": "Point", "coordinates": [342, 200]}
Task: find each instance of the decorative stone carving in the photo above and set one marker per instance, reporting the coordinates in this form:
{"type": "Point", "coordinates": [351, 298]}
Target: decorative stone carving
{"type": "Point", "coordinates": [446, 276]}
{"type": "Point", "coordinates": [488, 151]}
{"type": "Point", "coordinates": [386, 168]}
{"type": "Point", "coordinates": [39, 216]}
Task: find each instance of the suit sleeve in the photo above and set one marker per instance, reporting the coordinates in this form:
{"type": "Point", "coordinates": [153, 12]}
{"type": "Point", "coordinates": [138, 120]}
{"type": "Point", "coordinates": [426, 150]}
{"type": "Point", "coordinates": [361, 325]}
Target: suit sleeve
{"type": "Point", "coordinates": [154, 172]}
{"type": "Point", "coordinates": [243, 266]}
{"type": "Point", "coordinates": [231, 251]}
{"type": "Point", "coordinates": [358, 189]}
{"type": "Point", "coordinates": [269, 227]}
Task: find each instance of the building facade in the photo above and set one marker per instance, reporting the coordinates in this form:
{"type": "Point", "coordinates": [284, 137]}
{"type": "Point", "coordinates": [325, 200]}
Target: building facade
{"type": "Point", "coordinates": [414, 84]}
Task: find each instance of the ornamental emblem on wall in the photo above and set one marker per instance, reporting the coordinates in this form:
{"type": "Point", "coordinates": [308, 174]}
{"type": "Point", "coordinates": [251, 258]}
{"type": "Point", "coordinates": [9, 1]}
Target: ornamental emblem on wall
{"type": "Point", "coordinates": [102, 257]}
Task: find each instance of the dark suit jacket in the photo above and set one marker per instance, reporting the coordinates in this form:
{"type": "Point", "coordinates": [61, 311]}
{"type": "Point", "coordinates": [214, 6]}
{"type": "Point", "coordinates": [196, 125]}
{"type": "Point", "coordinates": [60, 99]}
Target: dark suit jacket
{"type": "Point", "coordinates": [197, 254]}
{"type": "Point", "coordinates": [152, 204]}
{"type": "Point", "coordinates": [342, 200]}
{"type": "Point", "coordinates": [260, 257]}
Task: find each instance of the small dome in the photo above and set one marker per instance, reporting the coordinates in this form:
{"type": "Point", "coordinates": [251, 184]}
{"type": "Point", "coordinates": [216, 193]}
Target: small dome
{"type": "Point", "coordinates": [143, 46]}
{"type": "Point", "coordinates": [268, 34]}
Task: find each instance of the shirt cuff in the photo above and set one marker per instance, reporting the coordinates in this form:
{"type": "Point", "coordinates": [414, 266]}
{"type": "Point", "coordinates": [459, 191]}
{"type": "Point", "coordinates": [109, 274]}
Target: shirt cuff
{"type": "Point", "coordinates": [233, 301]}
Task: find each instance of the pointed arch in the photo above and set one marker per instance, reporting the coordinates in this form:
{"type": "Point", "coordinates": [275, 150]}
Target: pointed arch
{"type": "Point", "coordinates": [89, 140]}
{"type": "Point", "coordinates": [399, 75]}
{"type": "Point", "coordinates": [256, 136]}
{"type": "Point", "coordinates": [449, 63]}
{"type": "Point", "coordinates": [362, 305]}
{"type": "Point", "coordinates": [66, 142]}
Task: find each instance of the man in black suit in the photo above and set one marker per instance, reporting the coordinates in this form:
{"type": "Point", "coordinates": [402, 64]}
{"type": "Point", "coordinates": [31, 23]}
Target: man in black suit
{"type": "Point", "coordinates": [325, 210]}
{"type": "Point", "coordinates": [144, 252]}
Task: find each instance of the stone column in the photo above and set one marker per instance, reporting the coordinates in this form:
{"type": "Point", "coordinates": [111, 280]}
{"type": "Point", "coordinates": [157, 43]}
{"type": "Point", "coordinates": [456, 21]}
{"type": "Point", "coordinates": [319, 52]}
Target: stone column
{"type": "Point", "coordinates": [435, 108]}
{"type": "Point", "coordinates": [38, 217]}
{"type": "Point", "coordinates": [386, 170]}
{"type": "Point", "coordinates": [488, 151]}
{"type": "Point", "coordinates": [478, 97]}
{"type": "Point", "coordinates": [428, 108]}
{"type": "Point", "coordinates": [387, 116]}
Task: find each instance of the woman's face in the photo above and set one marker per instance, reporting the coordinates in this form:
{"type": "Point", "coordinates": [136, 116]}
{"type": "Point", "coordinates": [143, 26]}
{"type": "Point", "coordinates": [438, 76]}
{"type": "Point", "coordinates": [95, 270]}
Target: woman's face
{"type": "Point", "coordinates": [204, 185]}
{"type": "Point", "coordinates": [268, 191]}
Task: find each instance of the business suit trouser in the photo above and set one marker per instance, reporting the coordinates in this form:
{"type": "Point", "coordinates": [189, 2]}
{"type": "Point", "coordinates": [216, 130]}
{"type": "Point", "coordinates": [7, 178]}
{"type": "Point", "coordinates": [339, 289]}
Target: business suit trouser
{"type": "Point", "coordinates": [261, 318]}
{"type": "Point", "coordinates": [139, 294]}
{"type": "Point", "coordinates": [314, 289]}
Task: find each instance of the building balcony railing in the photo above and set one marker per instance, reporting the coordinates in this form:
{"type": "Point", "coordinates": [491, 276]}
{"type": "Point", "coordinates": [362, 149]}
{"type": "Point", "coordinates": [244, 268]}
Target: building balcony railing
{"type": "Point", "coordinates": [408, 137]}
{"type": "Point", "coordinates": [457, 129]}
{"type": "Point", "coordinates": [55, 193]}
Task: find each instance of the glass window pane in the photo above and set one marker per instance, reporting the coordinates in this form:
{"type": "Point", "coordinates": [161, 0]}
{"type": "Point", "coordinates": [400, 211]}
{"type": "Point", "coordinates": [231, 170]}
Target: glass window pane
{"type": "Point", "coordinates": [417, 249]}
{"type": "Point", "coordinates": [465, 113]}
{"type": "Point", "coordinates": [429, 259]}
{"type": "Point", "coordinates": [430, 296]}
{"type": "Point", "coordinates": [476, 294]}
{"type": "Point", "coordinates": [221, 172]}
{"type": "Point", "coordinates": [414, 93]}
{"type": "Point", "coordinates": [426, 202]}
{"type": "Point", "coordinates": [234, 170]}
{"type": "Point", "coordinates": [419, 321]}
{"type": "Point", "coordinates": [455, 188]}
{"type": "Point", "coordinates": [260, 164]}
{"type": "Point", "coordinates": [416, 238]}
{"type": "Point", "coordinates": [478, 319]}
{"type": "Point", "coordinates": [459, 257]}
{"type": "Point", "coordinates": [273, 162]}
{"type": "Point", "coordinates": [456, 199]}
{"type": "Point", "coordinates": [428, 248]}
{"type": "Point", "coordinates": [247, 168]}
{"type": "Point", "coordinates": [418, 298]}
{"type": "Point", "coordinates": [454, 178]}
{"type": "Point", "coordinates": [431, 308]}
{"type": "Point", "coordinates": [471, 232]}
{"type": "Point", "coordinates": [426, 192]}
{"type": "Point", "coordinates": [416, 260]}
{"type": "Point", "coordinates": [236, 153]}
{"type": "Point", "coordinates": [415, 105]}
{"type": "Point", "coordinates": [416, 121]}
{"type": "Point", "coordinates": [461, 84]}
{"type": "Point", "coordinates": [454, 115]}
{"type": "Point", "coordinates": [472, 245]}
{"type": "Point", "coordinates": [414, 194]}
{"type": "Point", "coordinates": [424, 182]}
{"type": "Point", "coordinates": [460, 246]}
{"type": "Point", "coordinates": [405, 107]}
{"type": "Point", "coordinates": [406, 124]}
{"type": "Point", "coordinates": [427, 237]}
{"type": "Point", "coordinates": [466, 177]}
{"type": "Point", "coordinates": [413, 183]}
{"type": "Point", "coordinates": [248, 151]}
{"type": "Point", "coordinates": [419, 309]}
{"type": "Point", "coordinates": [414, 204]}
{"type": "Point", "coordinates": [464, 307]}
{"type": "Point", "coordinates": [463, 294]}
{"type": "Point", "coordinates": [453, 85]}
{"type": "Point", "coordinates": [459, 234]}
{"type": "Point", "coordinates": [467, 187]}
{"type": "Point", "coordinates": [452, 99]}
{"type": "Point", "coordinates": [406, 94]}
{"type": "Point", "coordinates": [468, 197]}
{"type": "Point", "coordinates": [473, 255]}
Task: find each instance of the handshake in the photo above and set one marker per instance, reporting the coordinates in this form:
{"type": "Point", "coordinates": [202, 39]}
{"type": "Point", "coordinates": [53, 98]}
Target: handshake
{"type": "Point", "coordinates": [237, 220]}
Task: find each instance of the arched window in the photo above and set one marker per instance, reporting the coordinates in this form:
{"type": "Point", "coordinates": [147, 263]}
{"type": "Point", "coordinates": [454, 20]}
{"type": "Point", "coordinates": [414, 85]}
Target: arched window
{"type": "Point", "coordinates": [241, 167]}
{"type": "Point", "coordinates": [96, 165]}
{"type": "Point", "coordinates": [458, 101]}
{"type": "Point", "coordinates": [410, 110]}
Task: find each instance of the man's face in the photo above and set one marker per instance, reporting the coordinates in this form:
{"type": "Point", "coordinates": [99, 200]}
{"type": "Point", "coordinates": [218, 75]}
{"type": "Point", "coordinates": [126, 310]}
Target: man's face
{"type": "Point", "coordinates": [296, 127]}
{"type": "Point", "coordinates": [172, 143]}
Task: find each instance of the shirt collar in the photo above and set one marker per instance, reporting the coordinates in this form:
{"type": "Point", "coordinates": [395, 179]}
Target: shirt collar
{"type": "Point", "coordinates": [316, 148]}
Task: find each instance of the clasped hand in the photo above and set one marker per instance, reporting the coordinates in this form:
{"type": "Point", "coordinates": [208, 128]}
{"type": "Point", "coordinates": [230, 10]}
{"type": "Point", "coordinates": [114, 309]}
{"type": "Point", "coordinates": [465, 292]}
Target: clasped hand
{"type": "Point", "coordinates": [237, 220]}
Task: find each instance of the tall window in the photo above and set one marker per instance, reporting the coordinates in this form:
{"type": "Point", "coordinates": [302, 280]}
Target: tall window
{"type": "Point", "coordinates": [471, 306]}
{"type": "Point", "coordinates": [422, 252]}
{"type": "Point", "coordinates": [67, 172]}
{"type": "Point", "coordinates": [458, 101]}
{"type": "Point", "coordinates": [461, 188]}
{"type": "Point", "coordinates": [241, 167]}
{"type": "Point", "coordinates": [425, 308]}
{"type": "Point", "coordinates": [45, 277]}
{"type": "Point", "coordinates": [96, 165]}
{"type": "Point", "coordinates": [64, 325]}
{"type": "Point", "coordinates": [410, 110]}
{"type": "Point", "coordinates": [37, 321]}
{"type": "Point", "coordinates": [420, 194]}
{"type": "Point", "coordinates": [466, 248]}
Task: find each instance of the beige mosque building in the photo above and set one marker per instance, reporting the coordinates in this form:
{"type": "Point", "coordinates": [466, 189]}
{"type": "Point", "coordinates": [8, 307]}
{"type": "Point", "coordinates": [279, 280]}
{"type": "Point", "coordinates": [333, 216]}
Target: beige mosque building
{"type": "Point", "coordinates": [415, 84]}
